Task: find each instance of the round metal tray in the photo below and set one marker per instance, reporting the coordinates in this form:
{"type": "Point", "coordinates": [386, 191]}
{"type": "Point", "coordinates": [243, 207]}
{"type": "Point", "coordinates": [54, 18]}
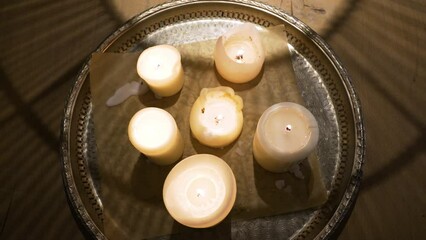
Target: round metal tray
{"type": "Point", "coordinates": [324, 83]}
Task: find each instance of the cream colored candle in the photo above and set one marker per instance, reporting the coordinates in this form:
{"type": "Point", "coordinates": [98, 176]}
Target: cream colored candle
{"type": "Point", "coordinates": [286, 133]}
{"type": "Point", "coordinates": [153, 131]}
{"type": "Point", "coordinates": [200, 191]}
{"type": "Point", "coordinates": [239, 55]}
{"type": "Point", "coordinates": [160, 66]}
{"type": "Point", "coordinates": [216, 118]}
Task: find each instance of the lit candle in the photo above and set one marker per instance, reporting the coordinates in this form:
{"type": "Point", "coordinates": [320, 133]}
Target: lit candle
{"type": "Point", "coordinates": [153, 131]}
{"type": "Point", "coordinates": [239, 54]}
{"type": "Point", "coordinates": [216, 118]}
{"type": "Point", "coordinates": [286, 133]}
{"type": "Point", "coordinates": [200, 191]}
{"type": "Point", "coordinates": [160, 66]}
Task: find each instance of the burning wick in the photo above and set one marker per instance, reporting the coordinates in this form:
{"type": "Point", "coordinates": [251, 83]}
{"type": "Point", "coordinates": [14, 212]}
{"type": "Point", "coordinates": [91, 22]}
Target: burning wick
{"type": "Point", "coordinates": [218, 118]}
{"type": "Point", "coordinates": [288, 128]}
{"type": "Point", "coordinates": [240, 56]}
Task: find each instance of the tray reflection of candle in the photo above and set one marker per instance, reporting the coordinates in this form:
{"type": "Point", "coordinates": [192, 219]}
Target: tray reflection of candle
{"type": "Point", "coordinates": [286, 133]}
{"type": "Point", "coordinates": [239, 54]}
{"type": "Point", "coordinates": [154, 132]}
{"type": "Point", "coordinates": [160, 66]}
{"type": "Point", "coordinates": [200, 191]}
{"type": "Point", "coordinates": [216, 118]}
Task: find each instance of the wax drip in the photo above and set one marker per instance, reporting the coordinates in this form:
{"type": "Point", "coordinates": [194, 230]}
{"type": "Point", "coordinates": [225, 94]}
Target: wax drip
{"type": "Point", "coordinates": [127, 90]}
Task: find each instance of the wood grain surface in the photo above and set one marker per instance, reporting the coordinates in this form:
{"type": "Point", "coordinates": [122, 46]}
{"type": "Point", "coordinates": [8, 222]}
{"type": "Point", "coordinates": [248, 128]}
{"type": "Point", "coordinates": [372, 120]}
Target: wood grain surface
{"type": "Point", "coordinates": [43, 43]}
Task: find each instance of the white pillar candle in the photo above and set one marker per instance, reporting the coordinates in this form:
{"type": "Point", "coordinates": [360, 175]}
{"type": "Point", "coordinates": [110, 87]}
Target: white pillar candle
{"type": "Point", "coordinates": [200, 191]}
{"type": "Point", "coordinates": [216, 118]}
{"type": "Point", "coordinates": [153, 131]}
{"type": "Point", "coordinates": [239, 55]}
{"type": "Point", "coordinates": [160, 66]}
{"type": "Point", "coordinates": [286, 133]}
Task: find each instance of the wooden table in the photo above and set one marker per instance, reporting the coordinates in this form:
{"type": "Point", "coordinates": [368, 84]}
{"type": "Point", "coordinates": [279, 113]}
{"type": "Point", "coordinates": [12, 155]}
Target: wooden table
{"type": "Point", "coordinates": [44, 43]}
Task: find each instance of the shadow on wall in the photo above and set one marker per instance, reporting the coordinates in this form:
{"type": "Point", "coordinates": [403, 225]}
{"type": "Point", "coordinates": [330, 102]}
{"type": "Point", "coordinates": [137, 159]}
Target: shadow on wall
{"type": "Point", "coordinates": [42, 46]}
{"type": "Point", "coordinates": [44, 43]}
{"type": "Point", "coordinates": [389, 80]}
{"type": "Point", "coordinates": [381, 44]}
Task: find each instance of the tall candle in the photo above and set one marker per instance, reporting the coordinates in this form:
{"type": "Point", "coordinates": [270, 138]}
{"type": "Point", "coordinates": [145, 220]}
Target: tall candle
{"type": "Point", "coordinates": [239, 55]}
{"type": "Point", "coordinates": [216, 118]}
{"type": "Point", "coordinates": [286, 133]}
{"type": "Point", "coordinates": [200, 191]}
{"type": "Point", "coordinates": [153, 131]}
{"type": "Point", "coordinates": [160, 66]}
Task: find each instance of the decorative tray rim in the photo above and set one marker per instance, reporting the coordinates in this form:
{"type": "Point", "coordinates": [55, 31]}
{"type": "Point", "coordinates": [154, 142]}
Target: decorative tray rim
{"type": "Point", "coordinates": [351, 191]}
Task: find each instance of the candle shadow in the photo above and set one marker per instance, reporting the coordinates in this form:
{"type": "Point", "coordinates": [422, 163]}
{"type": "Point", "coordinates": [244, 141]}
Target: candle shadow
{"type": "Point", "coordinates": [151, 100]}
{"type": "Point", "coordinates": [240, 86]}
{"type": "Point", "coordinates": [219, 231]}
{"type": "Point", "coordinates": [201, 148]}
{"type": "Point", "coordinates": [279, 190]}
{"type": "Point", "coordinates": [147, 180]}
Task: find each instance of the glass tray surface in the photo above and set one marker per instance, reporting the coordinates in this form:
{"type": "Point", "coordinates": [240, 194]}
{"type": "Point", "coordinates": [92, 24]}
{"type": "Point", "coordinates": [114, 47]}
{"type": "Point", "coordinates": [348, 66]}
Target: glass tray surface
{"type": "Point", "coordinates": [323, 81]}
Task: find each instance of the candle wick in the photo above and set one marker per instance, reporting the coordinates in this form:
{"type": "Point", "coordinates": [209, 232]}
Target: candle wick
{"type": "Point", "coordinates": [288, 128]}
{"type": "Point", "coordinates": [240, 56]}
{"type": "Point", "coordinates": [218, 119]}
{"type": "Point", "coordinates": [203, 110]}
{"type": "Point", "coordinates": [200, 193]}
{"type": "Point", "coordinates": [158, 66]}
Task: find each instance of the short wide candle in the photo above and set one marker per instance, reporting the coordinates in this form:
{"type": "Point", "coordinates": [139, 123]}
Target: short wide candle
{"type": "Point", "coordinates": [286, 133]}
{"type": "Point", "coordinates": [200, 191]}
{"type": "Point", "coordinates": [160, 66]}
{"type": "Point", "coordinates": [216, 118]}
{"type": "Point", "coordinates": [239, 55]}
{"type": "Point", "coordinates": [153, 131]}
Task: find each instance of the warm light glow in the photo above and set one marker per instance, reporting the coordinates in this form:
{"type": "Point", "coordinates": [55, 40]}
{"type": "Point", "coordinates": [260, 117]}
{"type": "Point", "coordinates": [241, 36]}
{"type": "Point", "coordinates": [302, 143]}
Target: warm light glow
{"type": "Point", "coordinates": [216, 117]}
{"type": "Point", "coordinates": [154, 132]}
{"type": "Point", "coordinates": [160, 66]}
{"type": "Point", "coordinates": [200, 191]}
{"type": "Point", "coordinates": [276, 149]}
{"type": "Point", "coordinates": [239, 54]}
